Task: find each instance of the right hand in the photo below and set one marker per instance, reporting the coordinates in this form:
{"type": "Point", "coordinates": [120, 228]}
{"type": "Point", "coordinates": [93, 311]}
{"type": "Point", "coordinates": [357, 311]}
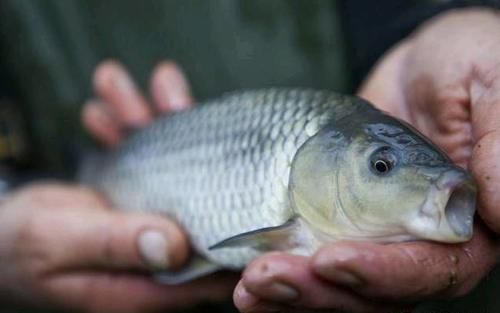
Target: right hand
{"type": "Point", "coordinates": [445, 80]}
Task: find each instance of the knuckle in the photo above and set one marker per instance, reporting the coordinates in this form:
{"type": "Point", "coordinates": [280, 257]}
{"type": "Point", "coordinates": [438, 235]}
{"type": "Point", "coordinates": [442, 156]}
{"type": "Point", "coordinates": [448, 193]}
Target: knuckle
{"type": "Point", "coordinates": [429, 274]}
{"type": "Point", "coordinates": [486, 75]}
{"type": "Point", "coordinates": [30, 245]}
{"type": "Point", "coordinates": [115, 248]}
{"type": "Point", "coordinates": [108, 251]}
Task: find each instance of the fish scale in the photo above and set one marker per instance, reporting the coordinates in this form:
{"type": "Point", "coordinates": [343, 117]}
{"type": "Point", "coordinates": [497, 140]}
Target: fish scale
{"type": "Point", "coordinates": [220, 169]}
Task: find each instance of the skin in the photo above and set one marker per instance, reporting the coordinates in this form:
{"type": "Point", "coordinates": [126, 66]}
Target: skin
{"type": "Point", "coordinates": [444, 80]}
{"type": "Point", "coordinates": [63, 248]}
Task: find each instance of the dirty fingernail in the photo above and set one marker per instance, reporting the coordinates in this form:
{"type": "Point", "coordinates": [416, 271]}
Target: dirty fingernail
{"type": "Point", "coordinates": [281, 292]}
{"type": "Point", "coordinates": [243, 298]}
{"type": "Point", "coordinates": [153, 248]}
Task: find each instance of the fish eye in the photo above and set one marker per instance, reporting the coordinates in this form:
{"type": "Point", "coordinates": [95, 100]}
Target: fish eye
{"type": "Point", "coordinates": [382, 161]}
{"type": "Point", "coordinates": [382, 166]}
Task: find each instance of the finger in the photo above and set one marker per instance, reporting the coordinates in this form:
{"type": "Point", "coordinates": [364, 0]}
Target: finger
{"type": "Point", "coordinates": [443, 116]}
{"type": "Point", "coordinates": [485, 160]}
{"type": "Point", "coordinates": [406, 271]}
{"type": "Point", "coordinates": [170, 88]}
{"type": "Point", "coordinates": [84, 238]}
{"type": "Point", "coordinates": [442, 86]}
{"type": "Point", "coordinates": [383, 86]}
{"type": "Point", "coordinates": [287, 279]}
{"type": "Point", "coordinates": [246, 302]}
{"type": "Point", "coordinates": [116, 88]}
{"type": "Point", "coordinates": [124, 292]}
{"type": "Point", "coordinates": [99, 122]}
{"type": "Point", "coordinates": [130, 240]}
{"type": "Point", "coordinates": [486, 169]}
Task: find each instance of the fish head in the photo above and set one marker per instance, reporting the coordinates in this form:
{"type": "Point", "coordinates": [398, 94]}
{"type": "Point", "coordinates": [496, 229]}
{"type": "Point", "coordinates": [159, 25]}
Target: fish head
{"type": "Point", "coordinates": [373, 177]}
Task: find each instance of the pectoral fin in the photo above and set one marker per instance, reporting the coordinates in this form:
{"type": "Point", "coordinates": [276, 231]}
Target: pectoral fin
{"type": "Point", "coordinates": [197, 267]}
{"type": "Point", "coordinates": [266, 239]}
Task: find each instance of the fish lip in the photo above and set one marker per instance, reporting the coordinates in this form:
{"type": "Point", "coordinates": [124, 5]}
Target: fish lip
{"type": "Point", "coordinates": [452, 204]}
{"type": "Point", "coordinates": [461, 205]}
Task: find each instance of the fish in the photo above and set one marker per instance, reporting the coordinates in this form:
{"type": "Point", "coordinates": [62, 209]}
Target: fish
{"type": "Point", "coordinates": [286, 170]}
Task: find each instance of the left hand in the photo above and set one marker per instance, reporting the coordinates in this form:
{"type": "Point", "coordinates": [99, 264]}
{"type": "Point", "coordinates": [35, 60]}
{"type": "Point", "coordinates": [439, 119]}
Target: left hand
{"type": "Point", "coordinates": [445, 80]}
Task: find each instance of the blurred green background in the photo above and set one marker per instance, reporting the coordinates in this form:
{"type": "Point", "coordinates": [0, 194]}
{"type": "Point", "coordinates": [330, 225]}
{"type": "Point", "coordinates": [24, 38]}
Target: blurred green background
{"type": "Point", "coordinates": [50, 49]}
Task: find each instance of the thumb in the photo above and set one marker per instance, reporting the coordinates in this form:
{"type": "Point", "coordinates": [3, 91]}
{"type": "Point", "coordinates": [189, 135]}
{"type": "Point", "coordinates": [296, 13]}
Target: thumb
{"type": "Point", "coordinates": [485, 164]}
{"type": "Point", "coordinates": [112, 239]}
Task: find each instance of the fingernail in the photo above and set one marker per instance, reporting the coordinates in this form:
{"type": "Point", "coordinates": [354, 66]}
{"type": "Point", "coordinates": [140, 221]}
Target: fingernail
{"type": "Point", "coordinates": [243, 298]}
{"type": "Point", "coordinates": [179, 101]}
{"type": "Point", "coordinates": [281, 292]}
{"type": "Point", "coordinates": [346, 278]}
{"type": "Point", "coordinates": [175, 89]}
{"type": "Point", "coordinates": [331, 264]}
{"type": "Point", "coordinates": [153, 248]}
{"type": "Point", "coordinates": [122, 81]}
{"type": "Point", "coordinates": [340, 276]}
{"type": "Point", "coordinates": [248, 303]}
{"type": "Point", "coordinates": [327, 260]}
{"type": "Point", "coordinates": [345, 254]}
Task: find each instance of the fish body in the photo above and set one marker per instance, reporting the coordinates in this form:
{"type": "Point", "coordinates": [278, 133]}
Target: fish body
{"type": "Point", "coordinates": [287, 169]}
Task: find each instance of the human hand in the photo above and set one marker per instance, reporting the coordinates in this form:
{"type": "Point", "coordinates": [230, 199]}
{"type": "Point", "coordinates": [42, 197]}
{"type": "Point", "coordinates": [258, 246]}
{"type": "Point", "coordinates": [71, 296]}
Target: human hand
{"type": "Point", "coordinates": [445, 80]}
{"type": "Point", "coordinates": [62, 247]}
{"type": "Point", "coordinates": [120, 106]}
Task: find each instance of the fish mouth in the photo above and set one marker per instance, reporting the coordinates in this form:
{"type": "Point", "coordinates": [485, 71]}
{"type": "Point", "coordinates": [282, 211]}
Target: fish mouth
{"type": "Point", "coordinates": [448, 211]}
{"type": "Point", "coordinates": [461, 205]}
